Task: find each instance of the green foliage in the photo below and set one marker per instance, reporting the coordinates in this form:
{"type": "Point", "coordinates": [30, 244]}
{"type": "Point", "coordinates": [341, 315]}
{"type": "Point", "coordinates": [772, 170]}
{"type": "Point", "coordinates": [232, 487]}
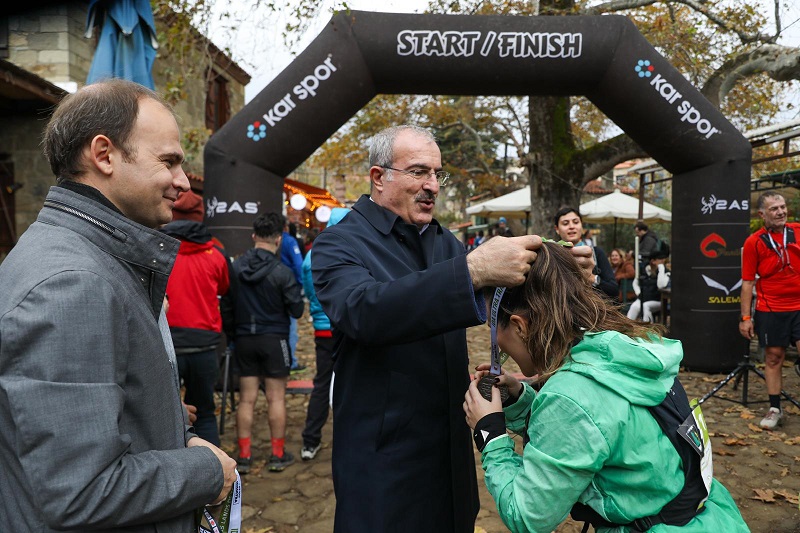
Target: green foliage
{"type": "Point", "coordinates": [193, 142]}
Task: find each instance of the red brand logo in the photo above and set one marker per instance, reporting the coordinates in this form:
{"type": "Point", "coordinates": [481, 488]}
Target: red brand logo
{"type": "Point", "coordinates": [707, 248]}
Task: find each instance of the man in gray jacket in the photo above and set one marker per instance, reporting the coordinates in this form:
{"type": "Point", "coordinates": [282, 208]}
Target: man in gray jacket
{"type": "Point", "coordinates": [94, 436]}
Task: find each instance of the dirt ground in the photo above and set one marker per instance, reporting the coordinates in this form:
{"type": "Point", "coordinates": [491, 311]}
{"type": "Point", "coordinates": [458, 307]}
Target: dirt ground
{"type": "Point", "coordinates": [761, 469]}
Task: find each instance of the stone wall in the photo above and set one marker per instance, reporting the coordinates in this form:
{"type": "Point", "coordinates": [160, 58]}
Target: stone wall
{"type": "Point", "coordinates": [49, 41]}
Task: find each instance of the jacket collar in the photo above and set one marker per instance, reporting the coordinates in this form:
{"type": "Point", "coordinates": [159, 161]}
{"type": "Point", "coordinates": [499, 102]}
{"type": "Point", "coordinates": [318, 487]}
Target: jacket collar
{"type": "Point", "coordinates": [110, 230]}
{"type": "Point", "coordinates": [382, 219]}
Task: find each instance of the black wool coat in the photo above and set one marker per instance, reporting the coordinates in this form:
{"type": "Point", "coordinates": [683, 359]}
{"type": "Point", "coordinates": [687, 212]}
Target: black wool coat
{"type": "Point", "coordinates": [399, 303]}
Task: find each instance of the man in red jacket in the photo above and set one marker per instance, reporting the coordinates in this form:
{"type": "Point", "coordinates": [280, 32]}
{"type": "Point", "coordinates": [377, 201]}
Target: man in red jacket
{"type": "Point", "coordinates": [198, 280]}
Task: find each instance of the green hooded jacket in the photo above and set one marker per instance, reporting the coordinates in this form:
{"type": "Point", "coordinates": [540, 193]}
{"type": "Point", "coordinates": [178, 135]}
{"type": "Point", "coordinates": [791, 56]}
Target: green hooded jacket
{"type": "Point", "coordinates": [593, 440]}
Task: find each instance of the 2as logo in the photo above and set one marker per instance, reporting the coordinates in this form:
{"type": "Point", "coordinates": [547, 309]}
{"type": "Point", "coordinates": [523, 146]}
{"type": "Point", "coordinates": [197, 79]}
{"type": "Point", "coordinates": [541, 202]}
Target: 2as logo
{"type": "Point", "coordinates": [727, 299]}
{"type": "Point", "coordinates": [215, 207]}
{"type": "Point", "coordinates": [717, 204]}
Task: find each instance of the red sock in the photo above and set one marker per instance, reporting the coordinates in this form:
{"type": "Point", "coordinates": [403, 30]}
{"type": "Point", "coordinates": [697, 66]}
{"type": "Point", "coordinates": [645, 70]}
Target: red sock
{"type": "Point", "coordinates": [244, 447]}
{"type": "Point", "coordinates": [277, 447]}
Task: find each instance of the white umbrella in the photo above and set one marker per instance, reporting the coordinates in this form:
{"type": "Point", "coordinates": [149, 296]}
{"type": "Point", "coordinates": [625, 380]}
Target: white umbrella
{"type": "Point", "coordinates": [621, 207]}
{"type": "Point", "coordinates": [515, 204]}
{"type": "Point", "coordinates": [618, 206]}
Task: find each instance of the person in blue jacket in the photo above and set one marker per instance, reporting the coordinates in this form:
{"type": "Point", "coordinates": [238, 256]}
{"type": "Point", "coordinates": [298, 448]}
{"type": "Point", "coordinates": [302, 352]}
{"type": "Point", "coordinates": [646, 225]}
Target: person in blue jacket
{"type": "Point", "coordinates": [318, 403]}
{"type": "Point", "coordinates": [292, 258]}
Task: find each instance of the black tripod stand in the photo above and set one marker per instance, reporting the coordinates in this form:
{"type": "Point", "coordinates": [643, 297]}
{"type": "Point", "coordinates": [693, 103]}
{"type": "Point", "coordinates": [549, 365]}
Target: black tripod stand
{"type": "Point", "coordinates": [742, 373]}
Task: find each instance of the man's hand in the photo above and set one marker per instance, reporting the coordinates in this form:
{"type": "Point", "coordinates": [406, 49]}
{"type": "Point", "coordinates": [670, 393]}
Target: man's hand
{"type": "Point", "coordinates": [191, 412]}
{"type": "Point", "coordinates": [502, 261]}
{"type": "Point", "coordinates": [746, 329]}
{"type": "Point", "coordinates": [585, 258]}
{"type": "Point", "coordinates": [228, 466]}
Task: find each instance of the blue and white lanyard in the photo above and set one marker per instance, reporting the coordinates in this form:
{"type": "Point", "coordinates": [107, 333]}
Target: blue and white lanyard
{"type": "Point", "coordinates": [781, 251]}
{"type": "Point", "coordinates": [494, 369]}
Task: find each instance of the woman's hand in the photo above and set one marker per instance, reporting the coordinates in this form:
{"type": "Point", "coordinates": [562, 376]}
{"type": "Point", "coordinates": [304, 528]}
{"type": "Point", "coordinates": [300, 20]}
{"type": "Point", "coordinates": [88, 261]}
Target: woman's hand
{"type": "Point", "coordinates": [476, 406]}
{"type": "Point", "coordinates": [513, 384]}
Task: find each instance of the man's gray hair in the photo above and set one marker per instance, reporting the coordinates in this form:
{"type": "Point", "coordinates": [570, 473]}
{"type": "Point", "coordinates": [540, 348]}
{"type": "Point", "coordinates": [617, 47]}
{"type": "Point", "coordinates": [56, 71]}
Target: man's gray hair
{"type": "Point", "coordinates": [381, 149]}
{"type": "Point", "coordinates": [762, 200]}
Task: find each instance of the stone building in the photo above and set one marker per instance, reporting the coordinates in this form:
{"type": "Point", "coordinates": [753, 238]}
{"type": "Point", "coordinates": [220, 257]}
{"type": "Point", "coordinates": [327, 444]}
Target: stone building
{"type": "Point", "coordinates": [45, 54]}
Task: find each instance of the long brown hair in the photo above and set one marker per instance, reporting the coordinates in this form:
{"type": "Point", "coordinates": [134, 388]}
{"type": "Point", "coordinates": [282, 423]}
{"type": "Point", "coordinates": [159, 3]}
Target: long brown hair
{"type": "Point", "coordinates": [561, 306]}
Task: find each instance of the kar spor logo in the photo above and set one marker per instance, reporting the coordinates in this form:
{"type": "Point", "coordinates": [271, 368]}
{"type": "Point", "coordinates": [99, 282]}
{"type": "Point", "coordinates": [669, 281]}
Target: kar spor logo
{"type": "Point", "coordinates": [307, 88]}
{"type": "Point", "coordinates": [669, 93]}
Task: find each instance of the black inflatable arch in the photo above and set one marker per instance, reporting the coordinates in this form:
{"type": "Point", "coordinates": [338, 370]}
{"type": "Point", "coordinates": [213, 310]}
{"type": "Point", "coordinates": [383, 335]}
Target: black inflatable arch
{"type": "Point", "coordinates": [361, 54]}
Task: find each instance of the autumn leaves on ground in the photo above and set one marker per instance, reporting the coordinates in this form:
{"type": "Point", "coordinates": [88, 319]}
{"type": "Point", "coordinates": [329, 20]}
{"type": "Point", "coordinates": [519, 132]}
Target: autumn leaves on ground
{"type": "Point", "coordinates": [760, 468]}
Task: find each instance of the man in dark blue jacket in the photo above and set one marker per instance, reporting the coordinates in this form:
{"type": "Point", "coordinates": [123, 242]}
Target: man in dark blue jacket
{"type": "Point", "coordinates": [400, 290]}
{"type": "Point", "coordinates": [268, 295]}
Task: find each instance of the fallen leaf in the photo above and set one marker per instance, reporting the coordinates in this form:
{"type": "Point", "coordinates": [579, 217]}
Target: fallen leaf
{"type": "Point", "coordinates": [791, 497]}
{"type": "Point", "coordinates": [755, 428]}
{"type": "Point", "coordinates": [784, 472]}
{"type": "Point", "coordinates": [479, 529]}
{"type": "Point", "coordinates": [747, 415]}
{"type": "Point", "coordinates": [735, 442]}
{"type": "Point", "coordinates": [792, 442]}
{"type": "Point", "coordinates": [723, 452]}
{"type": "Point", "coordinates": [768, 452]}
{"type": "Point", "coordinates": [764, 495]}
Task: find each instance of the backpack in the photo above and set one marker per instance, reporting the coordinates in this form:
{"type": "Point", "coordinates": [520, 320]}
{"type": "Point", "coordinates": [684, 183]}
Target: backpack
{"type": "Point", "coordinates": [661, 249]}
{"type": "Point", "coordinates": [687, 432]}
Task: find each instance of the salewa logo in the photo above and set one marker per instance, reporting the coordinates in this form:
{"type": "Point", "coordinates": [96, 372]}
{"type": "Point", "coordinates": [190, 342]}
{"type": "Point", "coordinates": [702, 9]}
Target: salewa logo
{"type": "Point", "coordinates": [215, 207]}
{"type": "Point", "coordinates": [728, 299]}
{"type": "Point", "coordinates": [717, 285]}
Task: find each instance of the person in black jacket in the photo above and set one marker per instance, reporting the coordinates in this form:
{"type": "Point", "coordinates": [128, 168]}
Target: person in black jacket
{"type": "Point", "coordinates": [268, 294]}
{"type": "Point", "coordinates": [569, 227]}
{"type": "Point", "coordinates": [648, 242]}
{"type": "Point", "coordinates": [400, 290]}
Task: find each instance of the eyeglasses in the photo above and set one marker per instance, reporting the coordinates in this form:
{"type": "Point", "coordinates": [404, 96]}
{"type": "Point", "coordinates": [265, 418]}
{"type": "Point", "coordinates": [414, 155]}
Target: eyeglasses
{"type": "Point", "coordinates": [420, 173]}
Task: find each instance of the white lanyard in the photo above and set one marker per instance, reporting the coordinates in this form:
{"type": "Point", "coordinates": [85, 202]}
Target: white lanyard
{"type": "Point", "coordinates": [230, 519]}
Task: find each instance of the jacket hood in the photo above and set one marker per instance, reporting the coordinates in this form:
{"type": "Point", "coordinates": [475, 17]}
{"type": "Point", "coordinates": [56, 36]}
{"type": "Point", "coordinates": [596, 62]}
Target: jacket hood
{"type": "Point", "coordinates": [337, 214]}
{"type": "Point", "coordinates": [187, 230]}
{"type": "Point", "coordinates": [640, 371]}
{"type": "Point", "coordinates": [256, 264]}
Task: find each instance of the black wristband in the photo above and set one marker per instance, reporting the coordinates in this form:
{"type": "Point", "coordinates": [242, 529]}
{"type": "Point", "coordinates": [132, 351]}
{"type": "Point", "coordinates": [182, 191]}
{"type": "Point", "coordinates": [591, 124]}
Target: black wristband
{"type": "Point", "coordinates": [490, 426]}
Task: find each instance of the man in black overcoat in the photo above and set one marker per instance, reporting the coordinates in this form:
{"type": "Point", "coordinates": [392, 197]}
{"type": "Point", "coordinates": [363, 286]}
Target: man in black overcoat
{"type": "Point", "coordinates": [400, 291]}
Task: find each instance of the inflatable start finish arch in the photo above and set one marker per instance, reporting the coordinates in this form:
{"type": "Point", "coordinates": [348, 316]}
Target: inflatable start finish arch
{"type": "Point", "coordinates": [361, 54]}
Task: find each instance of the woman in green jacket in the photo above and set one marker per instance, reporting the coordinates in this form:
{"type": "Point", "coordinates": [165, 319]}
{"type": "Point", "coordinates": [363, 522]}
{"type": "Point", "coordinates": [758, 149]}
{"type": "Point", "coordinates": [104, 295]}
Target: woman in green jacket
{"type": "Point", "coordinates": [588, 436]}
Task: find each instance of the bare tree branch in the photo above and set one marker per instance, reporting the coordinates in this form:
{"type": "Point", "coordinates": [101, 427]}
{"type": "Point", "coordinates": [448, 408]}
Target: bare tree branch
{"type": "Point", "coordinates": [478, 142]}
{"type": "Point", "coordinates": [604, 156]}
{"type": "Point", "coordinates": [613, 6]}
{"type": "Point", "coordinates": [780, 63]}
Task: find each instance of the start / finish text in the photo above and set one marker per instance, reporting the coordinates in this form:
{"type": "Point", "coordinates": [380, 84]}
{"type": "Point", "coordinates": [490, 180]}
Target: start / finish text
{"type": "Point", "coordinates": [505, 44]}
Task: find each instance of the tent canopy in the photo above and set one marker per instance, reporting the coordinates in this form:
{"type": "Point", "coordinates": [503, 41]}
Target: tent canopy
{"type": "Point", "coordinates": [615, 206]}
{"type": "Point", "coordinates": [515, 204]}
{"type": "Point", "coordinates": [621, 207]}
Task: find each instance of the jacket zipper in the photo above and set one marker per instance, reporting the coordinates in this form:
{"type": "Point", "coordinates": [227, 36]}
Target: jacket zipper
{"type": "Point", "coordinates": [80, 214]}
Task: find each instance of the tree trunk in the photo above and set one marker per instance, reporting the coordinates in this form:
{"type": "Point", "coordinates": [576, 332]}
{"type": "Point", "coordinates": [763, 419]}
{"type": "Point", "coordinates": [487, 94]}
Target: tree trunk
{"type": "Point", "coordinates": [555, 178]}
